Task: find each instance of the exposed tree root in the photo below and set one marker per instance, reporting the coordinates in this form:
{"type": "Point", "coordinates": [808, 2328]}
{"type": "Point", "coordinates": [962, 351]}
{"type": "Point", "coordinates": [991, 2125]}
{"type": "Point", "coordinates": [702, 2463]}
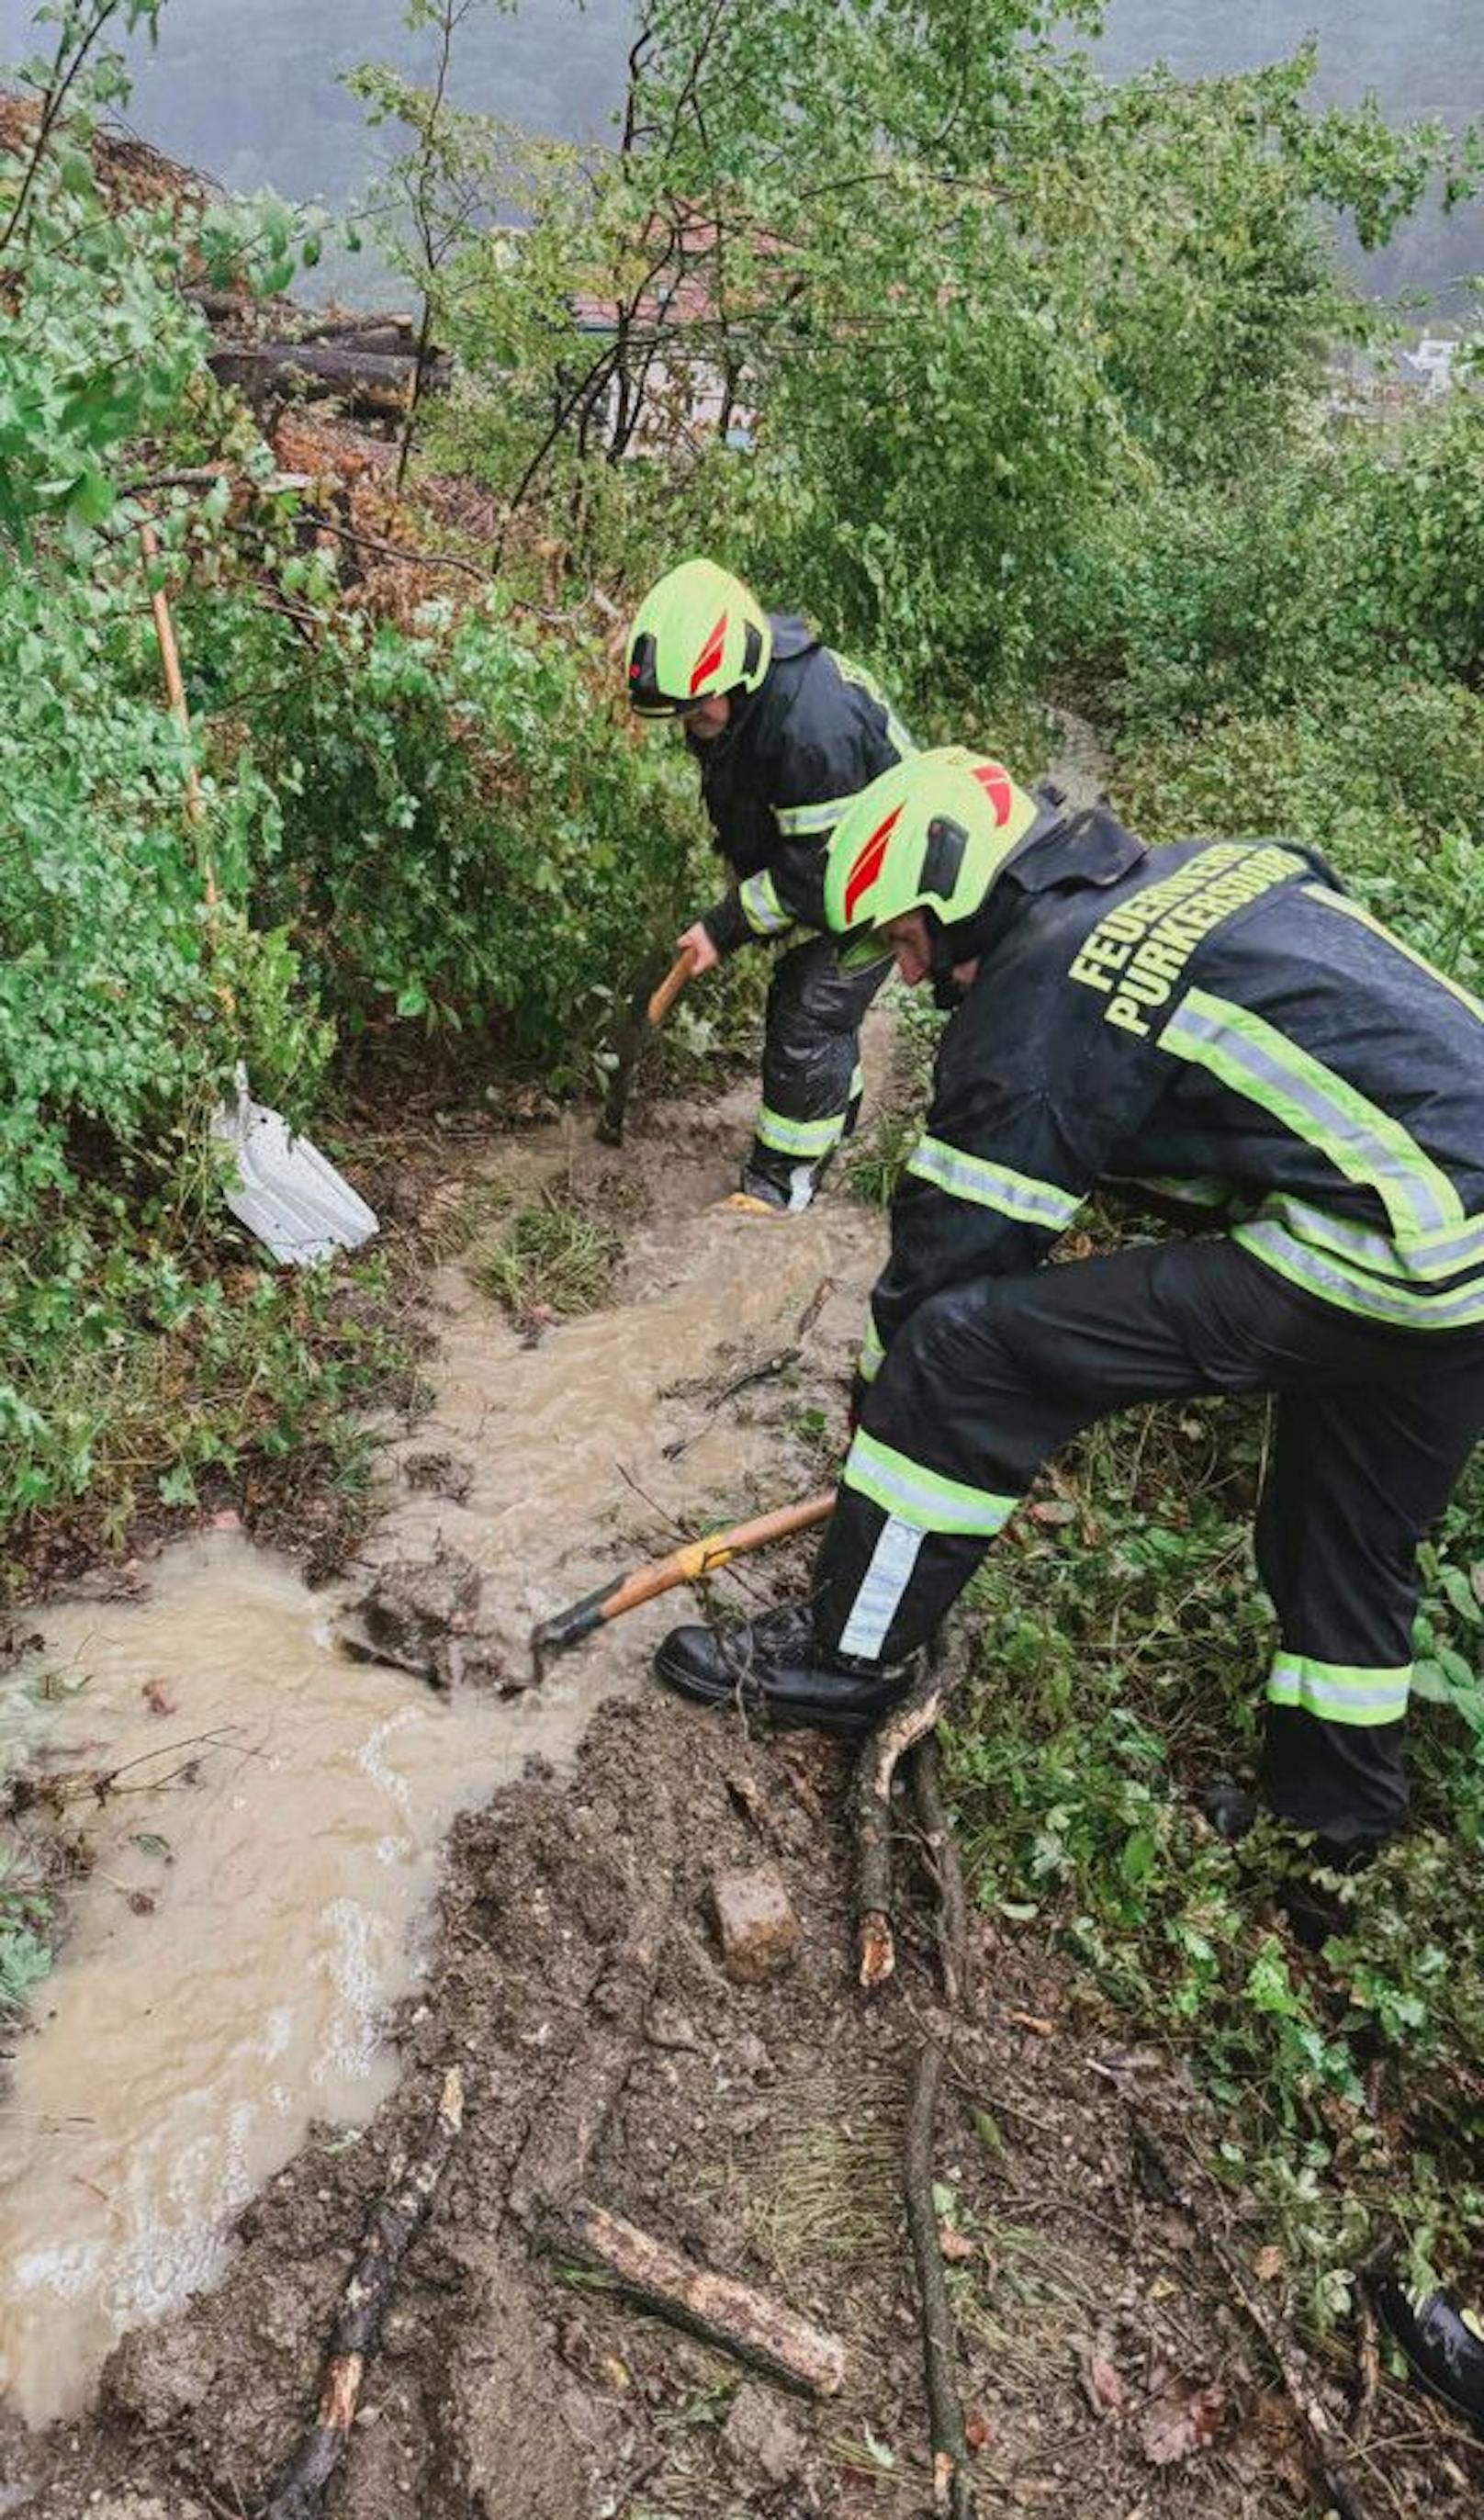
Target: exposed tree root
{"type": "Point", "coordinates": [395, 2221]}
{"type": "Point", "coordinates": [871, 1811]}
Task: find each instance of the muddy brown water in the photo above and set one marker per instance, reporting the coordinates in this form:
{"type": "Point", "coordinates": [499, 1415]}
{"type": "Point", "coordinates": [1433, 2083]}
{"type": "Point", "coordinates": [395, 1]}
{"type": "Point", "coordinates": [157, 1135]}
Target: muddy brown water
{"type": "Point", "coordinates": [249, 1924]}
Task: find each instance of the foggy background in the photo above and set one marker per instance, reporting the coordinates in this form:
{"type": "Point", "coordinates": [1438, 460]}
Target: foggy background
{"type": "Point", "coordinates": [249, 92]}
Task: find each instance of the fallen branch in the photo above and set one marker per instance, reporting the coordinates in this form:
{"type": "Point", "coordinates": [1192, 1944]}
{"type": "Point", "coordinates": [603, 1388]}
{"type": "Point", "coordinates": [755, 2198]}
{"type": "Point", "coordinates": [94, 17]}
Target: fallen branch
{"type": "Point", "coordinates": [764, 1372]}
{"type": "Point", "coordinates": [952, 2491]}
{"type": "Point", "coordinates": [395, 2221]}
{"type": "Point", "coordinates": [940, 1850]}
{"type": "Point", "coordinates": [1342, 2489]}
{"type": "Point", "coordinates": [393, 550]}
{"type": "Point", "coordinates": [758, 2329]}
{"type": "Point", "coordinates": [871, 1811]}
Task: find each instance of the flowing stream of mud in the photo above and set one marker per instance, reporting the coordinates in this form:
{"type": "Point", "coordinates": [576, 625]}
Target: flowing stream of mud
{"type": "Point", "coordinates": [261, 1872]}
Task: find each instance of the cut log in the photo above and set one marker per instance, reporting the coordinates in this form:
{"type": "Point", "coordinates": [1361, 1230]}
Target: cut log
{"type": "Point", "coordinates": [394, 2224]}
{"type": "Point", "coordinates": [758, 2329]}
{"type": "Point", "coordinates": [378, 382]}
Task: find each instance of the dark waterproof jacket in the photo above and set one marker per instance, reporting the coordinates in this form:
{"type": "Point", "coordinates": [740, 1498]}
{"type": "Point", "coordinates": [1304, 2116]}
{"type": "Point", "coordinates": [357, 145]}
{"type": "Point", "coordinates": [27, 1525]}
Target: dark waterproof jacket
{"type": "Point", "coordinates": [1214, 1021]}
{"type": "Point", "coordinates": [775, 782]}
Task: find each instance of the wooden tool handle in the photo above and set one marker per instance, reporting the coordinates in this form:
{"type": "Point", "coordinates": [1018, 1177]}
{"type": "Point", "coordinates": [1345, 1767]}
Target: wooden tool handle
{"type": "Point", "coordinates": [680, 971]}
{"type": "Point", "coordinates": [175, 692]}
{"type": "Point", "coordinates": [684, 1567]}
{"type": "Point", "coordinates": [702, 1557]}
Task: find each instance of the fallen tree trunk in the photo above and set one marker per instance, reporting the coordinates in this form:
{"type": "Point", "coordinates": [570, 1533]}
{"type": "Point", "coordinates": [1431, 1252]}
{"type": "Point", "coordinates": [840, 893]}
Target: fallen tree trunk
{"type": "Point", "coordinates": [390, 334]}
{"type": "Point", "coordinates": [394, 2223]}
{"type": "Point", "coordinates": [363, 381]}
{"type": "Point", "coordinates": [745, 2323]}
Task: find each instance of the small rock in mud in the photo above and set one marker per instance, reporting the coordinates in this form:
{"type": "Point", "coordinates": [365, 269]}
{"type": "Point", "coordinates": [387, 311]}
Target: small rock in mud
{"type": "Point", "coordinates": [444, 1474]}
{"type": "Point", "coordinates": [758, 2437]}
{"type": "Point", "coordinates": [751, 2057]}
{"type": "Point", "coordinates": [759, 1929]}
{"type": "Point", "coordinates": [665, 2027]}
{"type": "Point", "coordinates": [476, 1662]}
{"type": "Point", "coordinates": [414, 1614]}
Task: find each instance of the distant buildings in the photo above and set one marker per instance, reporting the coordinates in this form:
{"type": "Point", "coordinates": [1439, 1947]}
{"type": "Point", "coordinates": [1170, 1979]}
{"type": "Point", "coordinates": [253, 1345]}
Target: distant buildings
{"type": "Point", "coordinates": [1366, 386]}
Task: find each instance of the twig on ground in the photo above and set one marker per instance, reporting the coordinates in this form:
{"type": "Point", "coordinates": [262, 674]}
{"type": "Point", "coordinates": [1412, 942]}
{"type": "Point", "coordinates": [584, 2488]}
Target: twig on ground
{"type": "Point", "coordinates": [749, 2325]}
{"type": "Point", "coordinates": [814, 1307]}
{"type": "Point", "coordinates": [764, 1372]}
{"type": "Point", "coordinates": [1338, 2477]}
{"type": "Point", "coordinates": [396, 2219]}
{"type": "Point", "coordinates": [1370, 2370]}
{"type": "Point", "coordinates": [951, 2487]}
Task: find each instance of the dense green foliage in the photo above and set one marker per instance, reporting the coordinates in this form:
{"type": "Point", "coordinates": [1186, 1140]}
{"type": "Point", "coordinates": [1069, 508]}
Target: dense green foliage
{"type": "Point", "coordinates": [1118, 1673]}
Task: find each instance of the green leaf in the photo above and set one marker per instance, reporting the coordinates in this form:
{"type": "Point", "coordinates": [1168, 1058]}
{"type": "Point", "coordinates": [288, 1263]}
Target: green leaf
{"type": "Point", "coordinates": [1137, 1860]}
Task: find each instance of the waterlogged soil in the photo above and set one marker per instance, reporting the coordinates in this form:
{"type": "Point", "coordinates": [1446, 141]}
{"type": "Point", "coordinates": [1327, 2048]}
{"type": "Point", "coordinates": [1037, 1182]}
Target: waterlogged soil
{"type": "Point", "coordinates": [245, 2042]}
{"type": "Point", "coordinates": [257, 1818]}
{"type": "Point", "coordinates": [576, 1983]}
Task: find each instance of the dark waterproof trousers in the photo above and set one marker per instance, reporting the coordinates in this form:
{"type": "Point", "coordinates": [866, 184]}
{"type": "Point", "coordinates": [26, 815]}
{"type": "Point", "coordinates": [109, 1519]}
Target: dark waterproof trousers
{"type": "Point", "coordinates": [811, 1067]}
{"type": "Point", "coordinates": [1374, 1425]}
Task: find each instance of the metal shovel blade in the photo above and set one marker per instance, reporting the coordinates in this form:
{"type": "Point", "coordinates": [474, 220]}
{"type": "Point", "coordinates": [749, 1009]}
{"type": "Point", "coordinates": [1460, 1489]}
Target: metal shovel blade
{"type": "Point", "coordinates": [286, 1193]}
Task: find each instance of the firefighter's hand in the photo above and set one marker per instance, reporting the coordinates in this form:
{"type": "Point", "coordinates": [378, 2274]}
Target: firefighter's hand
{"type": "Point", "coordinates": [696, 942]}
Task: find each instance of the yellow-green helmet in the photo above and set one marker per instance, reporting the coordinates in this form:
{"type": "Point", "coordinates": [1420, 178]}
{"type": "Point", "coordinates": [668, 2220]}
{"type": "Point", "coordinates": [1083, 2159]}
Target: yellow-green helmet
{"type": "Point", "coordinates": [697, 633]}
{"type": "Point", "coordinates": [931, 834]}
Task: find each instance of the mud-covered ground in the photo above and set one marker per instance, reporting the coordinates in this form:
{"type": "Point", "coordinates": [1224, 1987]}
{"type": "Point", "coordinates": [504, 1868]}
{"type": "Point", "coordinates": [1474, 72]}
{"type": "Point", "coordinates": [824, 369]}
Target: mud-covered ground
{"type": "Point", "coordinates": [576, 1980]}
{"type": "Point", "coordinates": [579, 1985]}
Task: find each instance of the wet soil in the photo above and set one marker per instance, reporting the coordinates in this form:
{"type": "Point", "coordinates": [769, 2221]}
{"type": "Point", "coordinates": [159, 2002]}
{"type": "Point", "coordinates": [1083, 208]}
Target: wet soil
{"type": "Point", "coordinates": [577, 1983]}
{"type": "Point", "coordinates": [571, 1971]}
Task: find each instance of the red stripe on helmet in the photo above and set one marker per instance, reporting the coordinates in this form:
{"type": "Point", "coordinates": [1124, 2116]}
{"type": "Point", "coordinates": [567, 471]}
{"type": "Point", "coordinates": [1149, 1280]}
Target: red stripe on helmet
{"type": "Point", "coordinates": [710, 656]}
{"type": "Point", "coordinates": [868, 863]}
{"type": "Point", "coordinates": [996, 783]}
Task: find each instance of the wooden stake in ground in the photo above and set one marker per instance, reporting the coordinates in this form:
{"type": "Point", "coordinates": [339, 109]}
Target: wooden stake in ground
{"type": "Point", "coordinates": [748, 2324]}
{"type": "Point", "coordinates": [395, 2222]}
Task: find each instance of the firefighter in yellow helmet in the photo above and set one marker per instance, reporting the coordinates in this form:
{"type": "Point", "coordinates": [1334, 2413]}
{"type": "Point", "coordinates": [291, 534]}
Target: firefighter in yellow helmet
{"type": "Point", "coordinates": [784, 733]}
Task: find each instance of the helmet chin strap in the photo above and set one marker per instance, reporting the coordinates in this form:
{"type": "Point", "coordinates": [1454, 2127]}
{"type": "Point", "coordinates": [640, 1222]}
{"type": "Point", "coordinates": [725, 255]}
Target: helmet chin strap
{"type": "Point", "coordinates": [942, 954]}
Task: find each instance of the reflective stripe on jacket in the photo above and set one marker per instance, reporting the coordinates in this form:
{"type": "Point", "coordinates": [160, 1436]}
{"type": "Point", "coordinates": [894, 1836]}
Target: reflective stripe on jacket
{"type": "Point", "coordinates": [776, 781]}
{"type": "Point", "coordinates": [1216, 1019]}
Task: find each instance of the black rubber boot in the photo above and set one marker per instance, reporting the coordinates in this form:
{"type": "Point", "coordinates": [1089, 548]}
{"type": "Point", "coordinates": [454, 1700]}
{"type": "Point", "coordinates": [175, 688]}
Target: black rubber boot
{"type": "Point", "coordinates": [772, 1668]}
{"type": "Point", "coordinates": [1314, 1908]}
{"type": "Point", "coordinates": [1444, 2344]}
{"type": "Point", "coordinates": [1231, 1809]}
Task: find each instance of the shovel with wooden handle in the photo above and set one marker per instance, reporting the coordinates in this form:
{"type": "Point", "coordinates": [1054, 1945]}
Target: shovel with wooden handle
{"type": "Point", "coordinates": [648, 1011]}
{"type": "Point", "coordinates": [685, 1566]}
{"type": "Point", "coordinates": [282, 1190]}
